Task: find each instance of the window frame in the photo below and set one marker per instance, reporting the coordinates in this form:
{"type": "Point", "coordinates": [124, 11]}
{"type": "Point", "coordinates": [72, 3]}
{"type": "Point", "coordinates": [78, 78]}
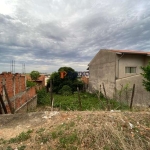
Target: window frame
{"type": "Point", "coordinates": [130, 71]}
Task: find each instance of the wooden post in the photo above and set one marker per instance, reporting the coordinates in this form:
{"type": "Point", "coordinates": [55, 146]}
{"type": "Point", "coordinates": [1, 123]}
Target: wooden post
{"type": "Point", "coordinates": [133, 90]}
{"type": "Point", "coordinates": [8, 100]}
{"type": "Point", "coordinates": [79, 99]}
{"type": "Point", "coordinates": [99, 92]}
{"type": "Point", "coordinates": [104, 89]}
{"type": "Point", "coordinates": [3, 104]}
{"type": "Point", "coordinates": [52, 104]}
{"type": "Point", "coordinates": [51, 92]}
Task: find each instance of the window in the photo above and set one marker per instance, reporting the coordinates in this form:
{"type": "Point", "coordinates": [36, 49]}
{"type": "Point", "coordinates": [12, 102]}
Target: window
{"type": "Point", "coordinates": [130, 70]}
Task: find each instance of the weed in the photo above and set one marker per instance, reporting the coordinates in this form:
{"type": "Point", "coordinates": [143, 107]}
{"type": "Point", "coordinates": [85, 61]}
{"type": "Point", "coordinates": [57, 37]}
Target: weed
{"type": "Point", "coordinates": [54, 135]}
{"type": "Point", "coordinates": [44, 138]}
{"type": "Point", "coordinates": [2, 141]}
{"type": "Point", "coordinates": [9, 148]}
{"type": "Point", "coordinates": [68, 139]}
{"type": "Point", "coordinates": [21, 137]}
{"type": "Point", "coordinates": [21, 147]}
{"type": "Point", "coordinates": [71, 124]}
{"type": "Point", "coordinates": [107, 147]}
{"type": "Point", "coordinates": [40, 130]}
{"type": "Point", "coordinates": [79, 118]}
{"type": "Point", "coordinates": [93, 130]}
{"type": "Point", "coordinates": [71, 147]}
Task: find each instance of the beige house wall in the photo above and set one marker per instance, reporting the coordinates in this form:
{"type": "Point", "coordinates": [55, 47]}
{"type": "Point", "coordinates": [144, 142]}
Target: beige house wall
{"type": "Point", "coordinates": [129, 60]}
{"type": "Point", "coordinates": [102, 70]}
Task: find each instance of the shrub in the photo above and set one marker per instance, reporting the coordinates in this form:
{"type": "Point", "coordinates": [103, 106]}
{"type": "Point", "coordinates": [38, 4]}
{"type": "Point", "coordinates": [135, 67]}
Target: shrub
{"type": "Point", "coordinates": [65, 90]}
{"type": "Point", "coordinates": [43, 97]}
{"type": "Point", "coordinates": [146, 75]}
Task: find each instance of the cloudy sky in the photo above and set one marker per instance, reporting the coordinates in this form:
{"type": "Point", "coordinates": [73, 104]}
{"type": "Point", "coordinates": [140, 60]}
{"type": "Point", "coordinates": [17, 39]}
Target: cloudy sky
{"type": "Point", "coordinates": [48, 34]}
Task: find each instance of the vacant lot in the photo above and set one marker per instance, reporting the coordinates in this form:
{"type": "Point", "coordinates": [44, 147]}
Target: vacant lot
{"type": "Point", "coordinates": [76, 130]}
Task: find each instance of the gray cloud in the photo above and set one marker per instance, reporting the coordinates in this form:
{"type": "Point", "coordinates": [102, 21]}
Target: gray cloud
{"type": "Point", "coordinates": [46, 35]}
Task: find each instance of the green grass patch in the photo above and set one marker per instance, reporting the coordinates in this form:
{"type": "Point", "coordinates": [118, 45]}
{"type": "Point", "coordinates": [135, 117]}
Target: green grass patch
{"type": "Point", "coordinates": [71, 102]}
{"type": "Point", "coordinates": [67, 140]}
{"type": "Point", "coordinates": [23, 136]}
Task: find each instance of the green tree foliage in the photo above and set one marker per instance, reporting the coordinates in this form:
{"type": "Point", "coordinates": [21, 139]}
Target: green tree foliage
{"type": "Point", "coordinates": [56, 80]}
{"type": "Point", "coordinates": [34, 75]}
{"type": "Point", "coordinates": [66, 90]}
{"type": "Point", "coordinates": [146, 75]}
{"type": "Point", "coordinates": [70, 79]}
{"type": "Point", "coordinates": [43, 97]}
{"type": "Point", "coordinates": [67, 69]}
{"type": "Point", "coordinates": [30, 83]}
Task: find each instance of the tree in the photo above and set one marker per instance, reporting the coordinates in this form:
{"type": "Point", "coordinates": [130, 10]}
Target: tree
{"type": "Point", "coordinates": [55, 77]}
{"type": "Point", "coordinates": [146, 75]}
{"type": "Point", "coordinates": [30, 83]}
{"type": "Point", "coordinates": [34, 75]}
{"type": "Point", "coordinates": [65, 90]}
{"type": "Point", "coordinates": [70, 79]}
{"type": "Point", "coordinates": [67, 69]}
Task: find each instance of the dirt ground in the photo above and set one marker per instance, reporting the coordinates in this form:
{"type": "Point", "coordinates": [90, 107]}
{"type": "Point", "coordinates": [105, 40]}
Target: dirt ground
{"type": "Point", "coordinates": [119, 122]}
{"type": "Point", "coordinates": [13, 124]}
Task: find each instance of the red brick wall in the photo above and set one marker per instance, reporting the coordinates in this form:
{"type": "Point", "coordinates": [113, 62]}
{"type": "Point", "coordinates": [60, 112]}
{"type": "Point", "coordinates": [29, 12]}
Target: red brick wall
{"type": "Point", "coordinates": [20, 88]}
{"type": "Point", "coordinates": [10, 80]}
{"type": "Point", "coordinates": [7, 78]}
{"type": "Point", "coordinates": [85, 79]}
{"type": "Point", "coordinates": [21, 100]}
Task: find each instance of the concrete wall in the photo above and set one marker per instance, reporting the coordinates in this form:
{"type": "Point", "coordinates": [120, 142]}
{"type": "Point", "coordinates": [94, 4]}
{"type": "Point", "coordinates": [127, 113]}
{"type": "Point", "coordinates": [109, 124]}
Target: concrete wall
{"type": "Point", "coordinates": [102, 70]}
{"type": "Point", "coordinates": [132, 60]}
{"type": "Point", "coordinates": [141, 96]}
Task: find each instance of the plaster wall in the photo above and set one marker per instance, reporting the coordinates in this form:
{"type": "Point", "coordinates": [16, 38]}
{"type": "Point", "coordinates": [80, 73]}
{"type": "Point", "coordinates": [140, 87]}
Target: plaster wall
{"type": "Point", "coordinates": [102, 70]}
{"type": "Point", "coordinates": [141, 96]}
{"type": "Point", "coordinates": [128, 60]}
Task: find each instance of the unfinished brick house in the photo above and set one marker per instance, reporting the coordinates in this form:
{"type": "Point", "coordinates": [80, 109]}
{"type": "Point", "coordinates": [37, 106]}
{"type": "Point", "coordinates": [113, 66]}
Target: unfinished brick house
{"type": "Point", "coordinates": [13, 87]}
{"type": "Point", "coordinates": [117, 69]}
{"type": "Point", "coordinates": [40, 81]}
{"type": "Point", "coordinates": [84, 76]}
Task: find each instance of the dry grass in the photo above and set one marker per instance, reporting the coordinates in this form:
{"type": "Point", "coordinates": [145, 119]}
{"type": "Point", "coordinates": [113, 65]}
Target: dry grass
{"type": "Point", "coordinates": [90, 131]}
